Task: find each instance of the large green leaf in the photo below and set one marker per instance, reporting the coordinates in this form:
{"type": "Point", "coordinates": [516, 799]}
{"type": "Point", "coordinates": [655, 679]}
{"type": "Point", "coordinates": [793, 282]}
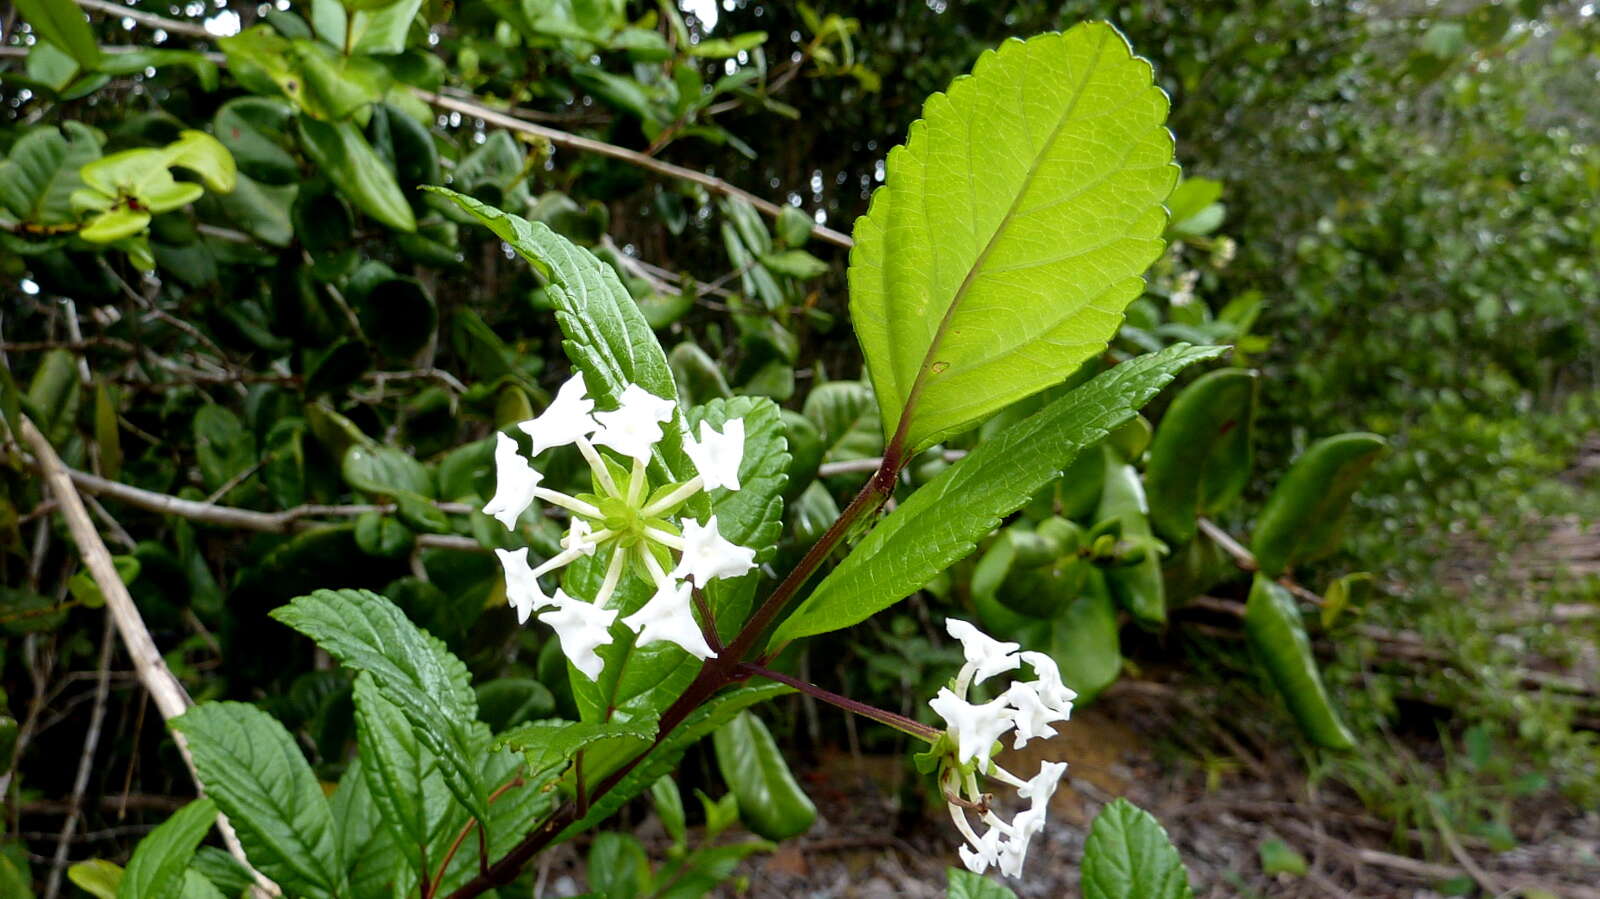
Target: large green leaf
{"type": "Point", "coordinates": [402, 776]}
{"type": "Point", "coordinates": [771, 803]}
{"type": "Point", "coordinates": [342, 152]}
{"type": "Point", "coordinates": [941, 522]}
{"type": "Point", "coordinates": [38, 178]}
{"type": "Point", "coordinates": [252, 768]}
{"type": "Point", "coordinates": [607, 336]}
{"type": "Point", "coordinates": [156, 869]}
{"type": "Point", "coordinates": [1011, 230]}
{"type": "Point", "coordinates": [62, 23]}
{"type": "Point", "coordinates": [412, 668]}
{"type": "Point", "coordinates": [1128, 856]}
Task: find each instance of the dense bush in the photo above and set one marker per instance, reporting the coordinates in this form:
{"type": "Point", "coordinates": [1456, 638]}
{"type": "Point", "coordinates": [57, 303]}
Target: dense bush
{"type": "Point", "coordinates": [226, 289]}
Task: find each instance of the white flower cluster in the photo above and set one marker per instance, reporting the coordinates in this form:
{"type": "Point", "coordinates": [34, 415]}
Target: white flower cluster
{"type": "Point", "coordinates": [626, 516]}
{"type": "Point", "coordinates": [1028, 708]}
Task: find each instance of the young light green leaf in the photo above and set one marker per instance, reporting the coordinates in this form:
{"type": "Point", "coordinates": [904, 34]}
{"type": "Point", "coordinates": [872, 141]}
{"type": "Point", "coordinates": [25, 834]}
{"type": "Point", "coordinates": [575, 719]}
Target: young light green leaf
{"type": "Point", "coordinates": [967, 885]}
{"type": "Point", "coordinates": [1012, 229]}
{"type": "Point", "coordinates": [1128, 856]}
{"type": "Point", "coordinates": [941, 522]}
{"type": "Point", "coordinates": [97, 877]}
{"type": "Point", "coordinates": [252, 768]}
{"type": "Point", "coordinates": [156, 869]}
{"type": "Point", "coordinates": [411, 667]}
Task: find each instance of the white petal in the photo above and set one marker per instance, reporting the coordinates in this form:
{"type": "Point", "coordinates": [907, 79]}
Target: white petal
{"type": "Point", "coordinates": [717, 456]}
{"type": "Point", "coordinates": [515, 481]}
{"type": "Point", "coordinates": [975, 727]}
{"type": "Point", "coordinates": [986, 655]}
{"type": "Point", "coordinates": [582, 628]}
{"type": "Point", "coordinates": [635, 425]}
{"type": "Point", "coordinates": [522, 588]}
{"type": "Point", "coordinates": [1024, 826]}
{"type": "Point", "coordinates": [1052, 692]}
{"type": "Point", "coordinates": [985, 852]}
{"type": "Point", "coordinates": [565, 420]}
{"type": "Point", "coordinates": [706, 555]}
{"type": "Point", "coordinates": [668, 616]}
{"type": "Point", "coordinates": [1042, 786]}
{"type": "Point", "coordinates": [1032, 716]}
{"type": "Point", "coordinates": [577, 537]}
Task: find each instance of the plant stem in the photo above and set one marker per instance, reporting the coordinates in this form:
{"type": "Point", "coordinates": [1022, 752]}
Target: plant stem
{"type": "Point", "coordinates": [725, 669]}
{"type": "Point", "coordinates": [900, 723]}
{"type": "Point", "coordinates": [872, 495]}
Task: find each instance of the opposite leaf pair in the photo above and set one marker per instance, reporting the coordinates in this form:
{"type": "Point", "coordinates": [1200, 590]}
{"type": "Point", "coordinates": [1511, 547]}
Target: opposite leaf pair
{"type": "Point", "coordinates": [625, 516]}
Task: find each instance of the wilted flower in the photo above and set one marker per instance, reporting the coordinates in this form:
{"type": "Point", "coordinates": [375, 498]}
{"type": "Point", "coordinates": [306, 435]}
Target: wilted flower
{"type": "Point", "coordinates": [627, 520]}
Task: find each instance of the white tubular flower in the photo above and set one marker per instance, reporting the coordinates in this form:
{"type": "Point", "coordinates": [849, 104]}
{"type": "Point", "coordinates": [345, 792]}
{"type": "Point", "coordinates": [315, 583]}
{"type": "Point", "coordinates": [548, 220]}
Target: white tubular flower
{"type": "Point", "coordinates": [668, 616]}
{"type": "Point", "coordinates": [582, 628]}
{"type": "Point", "coordinates": [717, 456]}
{"type": "Point", "coordinates": [978, 856]}
{"type": "Point", "coordinates": [522, 586]}
{"type": "Point", "coordinates": [515, 483]}
{"type": "Point", "coordinates": [986, 656]}
{"type": "Point", "coordinates": [1043, 785]}
{"type": "Point", "coordinates": [1032, 717]}
{"type": "Point", "coordinates": [706, 555]}
{"type": "Point", "coordinates": [975, 727]}
{"type": "Point", "coordinates": [635, 426]}
{"type": "Point", "coordinates": [566, 420]}
{"type": "Point", "coordinates": [1023, 828]}
{"type": "Point", "coordinates": [619, 519]}
{"type": "Point", "coordinates": [1049, 688]}
{"type": "Point", "coordinates": [578, 537]}
{"type": "Point", "coordinates": [968, 742]}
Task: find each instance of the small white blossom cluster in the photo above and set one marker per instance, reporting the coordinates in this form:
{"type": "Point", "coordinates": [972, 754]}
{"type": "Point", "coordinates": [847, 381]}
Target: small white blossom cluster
{"type": "Point", "coordinates": [626, 517]}
{"type": "Point", "coordinates": [1026, 707]}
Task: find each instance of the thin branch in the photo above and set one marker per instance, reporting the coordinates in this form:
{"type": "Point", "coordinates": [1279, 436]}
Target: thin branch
{"type": "Point", "coordinates": [632, 157]}
{"type": "Point", "coordinates": [171, 26]}
{"type": "Point", "coordinates": [170, 697]}
{"type": "Point", "coordinates": [250, 520]}
{"type": "Point", "coordinates": [1242, 557]}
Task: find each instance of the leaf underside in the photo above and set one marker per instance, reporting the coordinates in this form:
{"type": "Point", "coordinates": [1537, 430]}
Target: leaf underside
{"type": "Point", "coordinates": [1012, 229]}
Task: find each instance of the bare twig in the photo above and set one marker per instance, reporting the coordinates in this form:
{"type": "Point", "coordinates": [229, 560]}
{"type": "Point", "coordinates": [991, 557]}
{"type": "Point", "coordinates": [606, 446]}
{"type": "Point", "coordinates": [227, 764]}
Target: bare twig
{"type": "Point", "coordinates": [250, 520]}
{"type": "Point", "coordinates": [1242, 557]}
{"type": "Point", "coordinates": [589, 145]}
{"type": "Point", "coordinates": [170, 697]}
{"type": "Point", "coordinates": [91, 743]}
{"type": "Point", "coordinates": [171, 26]}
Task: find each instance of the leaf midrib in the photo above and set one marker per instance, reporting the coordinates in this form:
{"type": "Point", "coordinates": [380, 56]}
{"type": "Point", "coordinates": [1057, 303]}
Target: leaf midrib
{"type": "Point", "coordinates": [908, 411]}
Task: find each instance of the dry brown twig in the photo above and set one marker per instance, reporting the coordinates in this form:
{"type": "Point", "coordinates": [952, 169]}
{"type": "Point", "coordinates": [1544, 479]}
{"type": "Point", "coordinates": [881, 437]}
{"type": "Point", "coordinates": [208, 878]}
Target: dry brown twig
{"type": "Point", "coordinates": [170, 697]}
